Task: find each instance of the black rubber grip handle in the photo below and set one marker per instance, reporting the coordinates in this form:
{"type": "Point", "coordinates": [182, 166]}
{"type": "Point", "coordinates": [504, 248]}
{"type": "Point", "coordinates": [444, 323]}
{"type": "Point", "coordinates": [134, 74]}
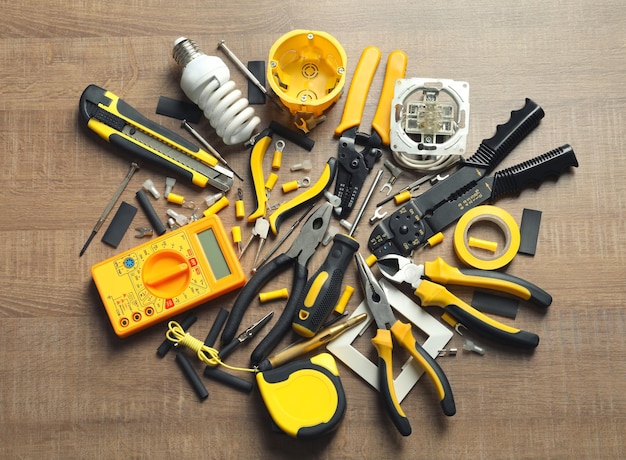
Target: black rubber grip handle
{"type": "Point", "coordinates": [320, 295]}
{"type": "Point", "coordinates": [508, 135]}
{"type": "Point", "coordinates": [249, 292]}
{"type": "Point", "coordinates": [536, 295]}
{"type": "Point", "coordinates": [283, 324]}
{"type": "Point", "coordinates": [517, 338]}
{"type": "Point", "coordinates": [513, 180]}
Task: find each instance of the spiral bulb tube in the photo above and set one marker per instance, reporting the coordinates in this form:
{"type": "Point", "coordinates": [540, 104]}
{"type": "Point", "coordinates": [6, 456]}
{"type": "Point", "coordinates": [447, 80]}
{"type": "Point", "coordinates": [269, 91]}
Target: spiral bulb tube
{"type": "Point", "coordinates": [206, 81]}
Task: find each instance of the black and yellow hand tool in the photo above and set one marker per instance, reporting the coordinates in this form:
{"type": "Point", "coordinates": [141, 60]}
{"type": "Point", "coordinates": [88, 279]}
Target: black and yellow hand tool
{"type": "Point", "coordinates": [389, 326]}
{"type": "Point", "coordinates": [309, 195]}
{"type": "Point", "coordinates": [358, 151]}
{"type": "Point", "coordinates": [411, 225]}
{"type": "Point", "coordinates": [261, 143]}
{"type": "Point", "coordinates": [120, 124]}
{"type": "Point", "coordinates": [427, 280]}
{"type": "Point", "coordinates": [319, 297]}
{"type": "Point", "coordinates": [304, 398]}
{"type": "Point", "coordinates": [298, 255]}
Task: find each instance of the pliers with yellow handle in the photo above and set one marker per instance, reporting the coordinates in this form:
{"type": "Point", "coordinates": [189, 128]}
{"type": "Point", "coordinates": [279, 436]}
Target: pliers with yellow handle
{"type": "Point", "coordinates": [427, 279]}
{"type": "Point", "coordinates": [389, 326]}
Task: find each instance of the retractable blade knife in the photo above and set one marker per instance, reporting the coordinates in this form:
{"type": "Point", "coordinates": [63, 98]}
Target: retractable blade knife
{"type": "Point", "coordinates": [117, 122]}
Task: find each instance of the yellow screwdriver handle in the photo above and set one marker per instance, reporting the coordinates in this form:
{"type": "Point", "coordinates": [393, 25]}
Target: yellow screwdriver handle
{"type": "Point", "coordinates": [361, 82]}
{"type": "Point", "coordinates": [396, 68]}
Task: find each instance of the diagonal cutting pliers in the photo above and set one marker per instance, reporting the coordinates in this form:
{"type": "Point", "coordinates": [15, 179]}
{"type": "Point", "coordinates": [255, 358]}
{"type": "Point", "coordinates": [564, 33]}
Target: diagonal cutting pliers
{"type": "Point", "coordinates": [427, 281]}
{"type": "Point", "coordinates": [298, 255]}
{"type": "Point", "coordinates": [389, 326]}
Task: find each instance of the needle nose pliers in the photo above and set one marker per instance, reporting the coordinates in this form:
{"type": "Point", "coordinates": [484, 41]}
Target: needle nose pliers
{"type": "Point", "coordinates": [389, 326]}
{"type": "Point", "coordinates": [427, 279]}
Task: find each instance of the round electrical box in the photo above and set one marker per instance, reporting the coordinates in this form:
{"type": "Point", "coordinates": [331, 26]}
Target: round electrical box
{"type": "Point", "coordinates": [307, 71]}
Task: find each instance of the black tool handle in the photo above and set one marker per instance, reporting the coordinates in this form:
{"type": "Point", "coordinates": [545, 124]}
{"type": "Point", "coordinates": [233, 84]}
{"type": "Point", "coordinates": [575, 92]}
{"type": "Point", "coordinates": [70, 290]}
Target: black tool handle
{"type": "Point", "coordinates": [320, 295]}
{"type": "Point", "coordinates": [250, 291]}
{"type": "Point", "coordinates": [491, 151]}
{"type": "Point", "coordinates": [513, 180]}
{"type": "Point", "coordinates": [533, 293]}
{"type": "Point", "coordinates": [506, 336]}
{"type": "Point", "coordinates": [283, 324]}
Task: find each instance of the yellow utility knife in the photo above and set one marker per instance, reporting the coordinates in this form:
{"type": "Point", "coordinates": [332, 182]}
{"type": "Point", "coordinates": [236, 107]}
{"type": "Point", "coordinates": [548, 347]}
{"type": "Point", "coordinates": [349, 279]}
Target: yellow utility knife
{"type": "Point", "coordinates": [120, 124]}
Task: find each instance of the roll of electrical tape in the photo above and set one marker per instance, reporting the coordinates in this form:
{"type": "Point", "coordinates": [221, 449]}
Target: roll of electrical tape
{"type": "Point", "coordinates": [497, 216]}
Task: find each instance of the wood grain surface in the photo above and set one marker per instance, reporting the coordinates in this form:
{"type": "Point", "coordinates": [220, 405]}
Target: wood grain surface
{"type": "Point", "coordinates": [69, 388]}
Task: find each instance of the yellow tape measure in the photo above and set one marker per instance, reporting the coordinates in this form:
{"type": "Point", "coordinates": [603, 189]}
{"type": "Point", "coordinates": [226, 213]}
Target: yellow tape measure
{"type": "Point", "coordinates": [305, 398]}
{"type": "Point", "coordinates": [497, 216]}
{"type": "Point", "coordinates": [168, 275]}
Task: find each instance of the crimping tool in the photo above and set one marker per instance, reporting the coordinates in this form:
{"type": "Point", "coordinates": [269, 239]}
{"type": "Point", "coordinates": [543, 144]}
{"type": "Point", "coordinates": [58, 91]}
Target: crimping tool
{"type": "Point", "coordinates": [411, 225]}
{"type": "Point", "coordinates": [355, 165]}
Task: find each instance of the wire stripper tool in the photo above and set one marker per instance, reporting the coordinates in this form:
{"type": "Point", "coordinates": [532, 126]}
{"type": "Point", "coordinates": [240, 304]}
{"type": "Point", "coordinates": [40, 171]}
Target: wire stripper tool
{"type": "Point", "coordinates": [120, 124]}
{"type": "Point", "coordinates": [354, 164]}
{"type": "Point", "coordinates": [411, 225]}
{"type": "Point", "coordinates": [389, 326]}
{"type": "Point", "coordinates": [427, 281]}
{"type": "Point", "coordinates": [298, 255]}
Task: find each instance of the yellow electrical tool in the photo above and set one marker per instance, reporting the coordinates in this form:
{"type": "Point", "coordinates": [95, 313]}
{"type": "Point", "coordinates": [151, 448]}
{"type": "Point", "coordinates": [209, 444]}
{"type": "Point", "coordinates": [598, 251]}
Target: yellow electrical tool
{"type": "Point", "coordinates": [258, 179]}
{"type": "Point", "coordinates": [304, 398]}
{"type": "Point", "coordinates": [120, 124]}
{"type": "Point", "coordinates": [168, 275]}
{"type": "Point", "coordinates": [310, 195]}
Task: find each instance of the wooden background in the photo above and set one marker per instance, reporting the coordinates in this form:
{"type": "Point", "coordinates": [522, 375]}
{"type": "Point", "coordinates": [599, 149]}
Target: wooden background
{"type": "Point", "coordinates": [71, 389]}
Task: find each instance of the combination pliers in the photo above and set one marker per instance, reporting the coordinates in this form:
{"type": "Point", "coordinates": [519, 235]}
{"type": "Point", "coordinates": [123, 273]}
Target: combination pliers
{"type": "Point", "coordinates": [358, 151]}
{"type": "Point", "coordinates": [298, 255]}
{"type": "Point", "coordinates": [388, 326]}
{"type": "Point", "coordinates": [427, 281]}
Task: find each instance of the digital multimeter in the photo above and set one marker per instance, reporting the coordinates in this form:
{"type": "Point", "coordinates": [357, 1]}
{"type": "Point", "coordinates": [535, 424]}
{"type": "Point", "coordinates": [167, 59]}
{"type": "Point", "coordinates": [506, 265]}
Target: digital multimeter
{"type": "Point", "coordinates": [168, 275]}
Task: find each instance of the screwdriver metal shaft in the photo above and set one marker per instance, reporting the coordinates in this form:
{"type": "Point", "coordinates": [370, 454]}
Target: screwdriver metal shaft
{"type": "Point", "coordinates": [185, 124]}
{"type": "Point", "coordinates": [133, 168]}
{"type": "Point", "coordinates": [222, 46]}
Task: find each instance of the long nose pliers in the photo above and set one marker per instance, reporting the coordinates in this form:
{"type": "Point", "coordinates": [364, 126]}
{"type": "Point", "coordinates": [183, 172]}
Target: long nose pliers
{"type": "Point", "coordinates": [389, 326]}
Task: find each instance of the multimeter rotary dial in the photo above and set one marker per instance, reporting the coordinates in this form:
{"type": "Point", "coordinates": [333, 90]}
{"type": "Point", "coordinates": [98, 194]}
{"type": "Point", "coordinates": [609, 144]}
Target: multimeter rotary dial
{"type": "Point", "coordinates": [166, 274]}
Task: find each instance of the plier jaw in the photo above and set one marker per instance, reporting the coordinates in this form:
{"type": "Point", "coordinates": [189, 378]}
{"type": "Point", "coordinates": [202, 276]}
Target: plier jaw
{"type": "Point", "coordinates": [374, 295]}
{"type": "Point", "coordinates": [400, 269]}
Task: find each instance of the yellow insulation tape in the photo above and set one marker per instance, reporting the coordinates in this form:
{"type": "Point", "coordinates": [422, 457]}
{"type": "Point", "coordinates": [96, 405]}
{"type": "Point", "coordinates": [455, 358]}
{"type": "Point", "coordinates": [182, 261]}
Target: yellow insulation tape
{"type": "Point", "coordinates": [497, 216]}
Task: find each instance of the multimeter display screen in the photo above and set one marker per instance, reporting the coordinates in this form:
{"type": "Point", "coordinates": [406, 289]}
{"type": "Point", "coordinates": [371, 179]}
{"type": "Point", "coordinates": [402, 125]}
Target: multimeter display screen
{"type": "Point", "coordinates": [212, 250]}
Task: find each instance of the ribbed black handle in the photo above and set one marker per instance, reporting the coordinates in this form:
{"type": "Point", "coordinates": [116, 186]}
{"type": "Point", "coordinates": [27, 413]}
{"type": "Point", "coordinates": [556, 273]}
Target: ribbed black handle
{"type": "Point", "coordinates": [513, 180]}
{"type": "Point", "coordinates": [491, 151]}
